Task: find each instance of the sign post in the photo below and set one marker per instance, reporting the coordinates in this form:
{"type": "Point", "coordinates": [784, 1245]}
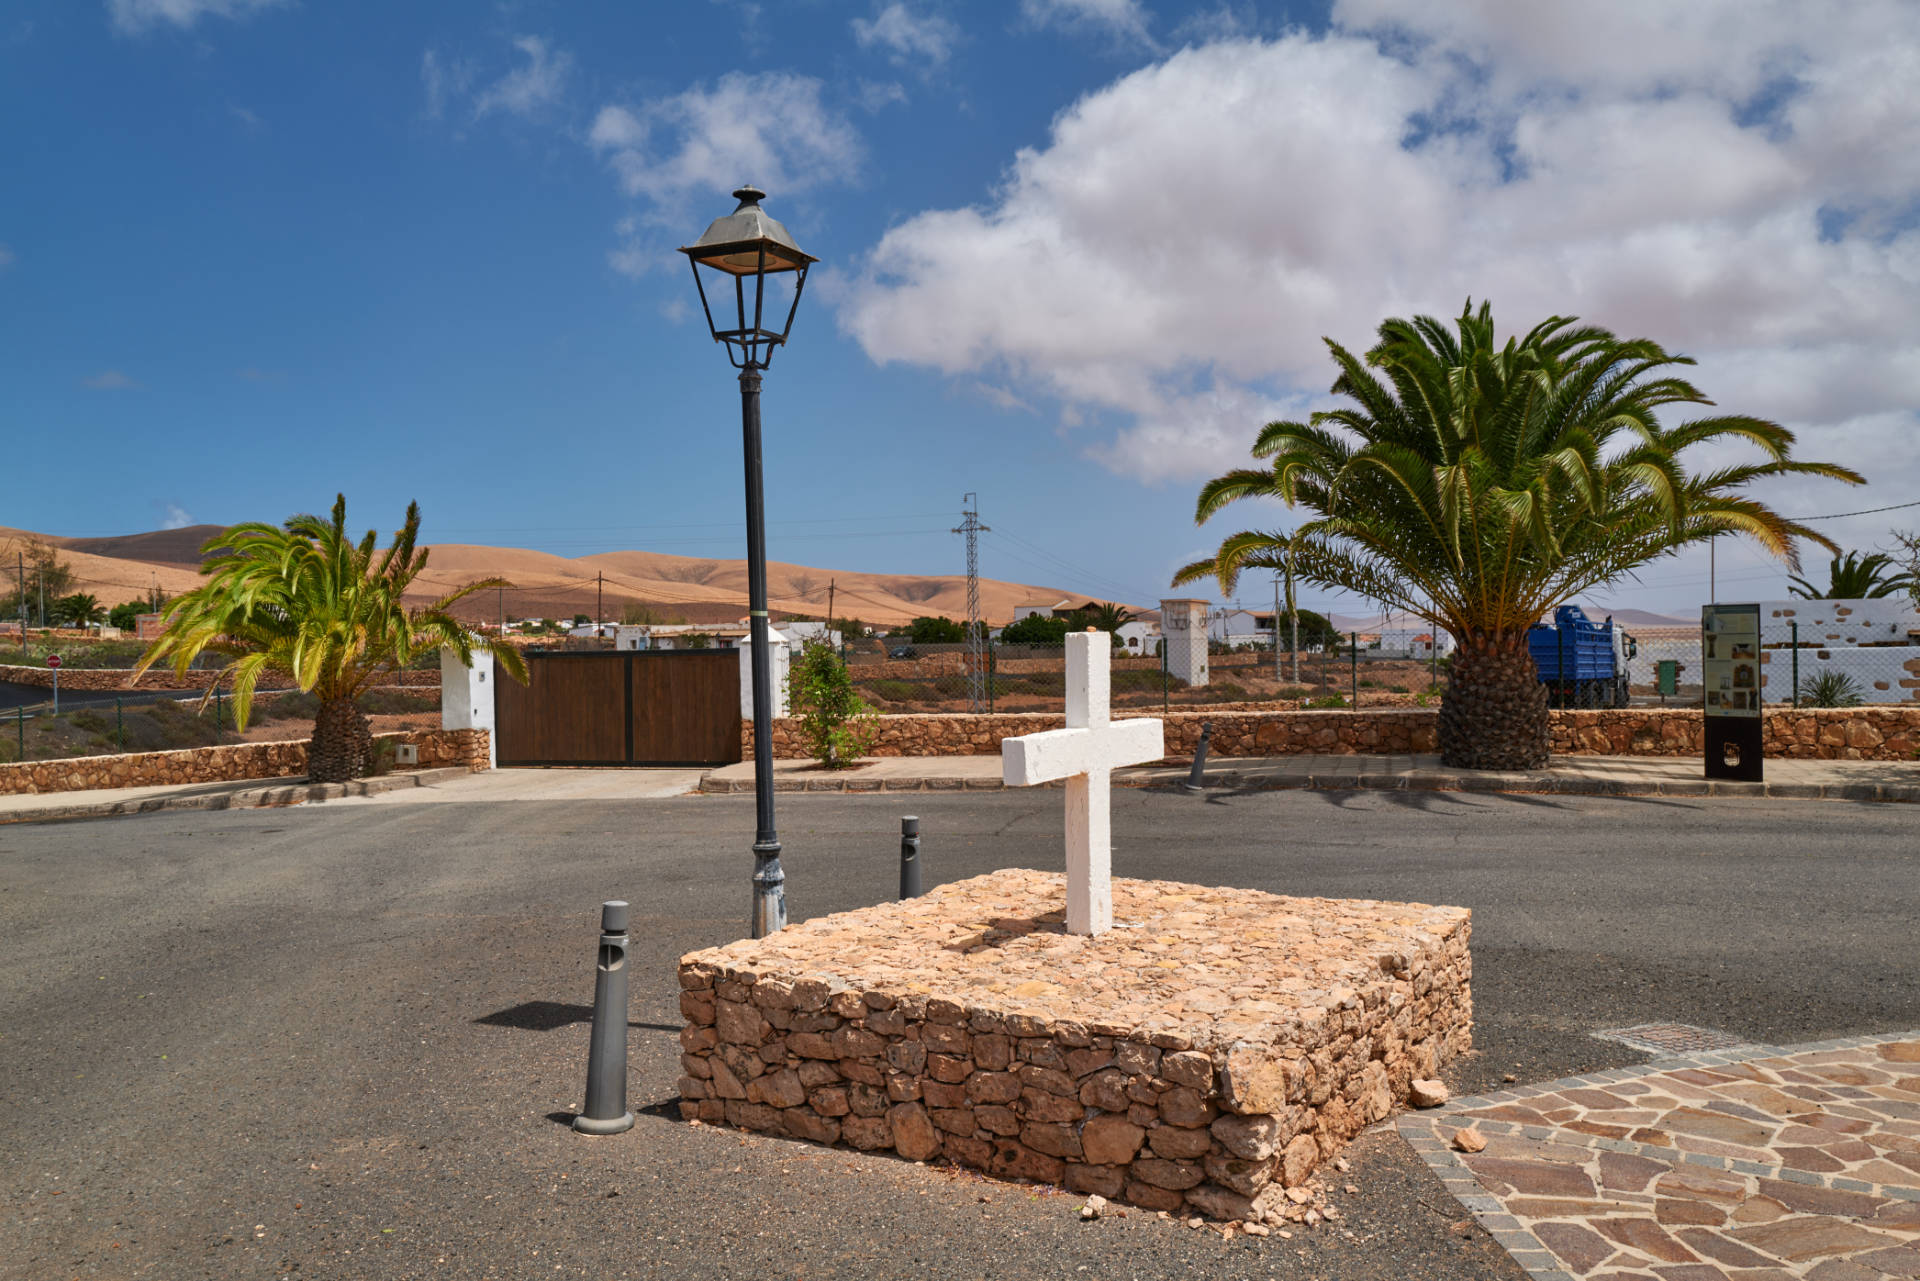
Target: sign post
{"type": "Point", "coordinates": [53, 661]}
{"type": "Point", "coordinates": [1730, 657]}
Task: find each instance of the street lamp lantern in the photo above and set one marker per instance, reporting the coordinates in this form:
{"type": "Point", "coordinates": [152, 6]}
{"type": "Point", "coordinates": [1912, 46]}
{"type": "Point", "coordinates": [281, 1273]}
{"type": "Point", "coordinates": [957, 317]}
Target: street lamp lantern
{"type": "Point", "coordinates": [749, 246]}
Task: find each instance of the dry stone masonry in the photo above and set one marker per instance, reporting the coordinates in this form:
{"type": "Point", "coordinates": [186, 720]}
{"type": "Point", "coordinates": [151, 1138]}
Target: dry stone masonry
{"type": "Point", "coordinates": [220, 764]}
{"type": "Point", "coordinates": [1203, 1056]}
{"type": "Point", "coordinates": [1842, 734]}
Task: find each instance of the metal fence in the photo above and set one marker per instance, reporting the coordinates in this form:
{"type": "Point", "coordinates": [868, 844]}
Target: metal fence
{"type": "Point", "coordinates": [1795, 671]}
{"type": "Point", "coordinates": [899, 676]}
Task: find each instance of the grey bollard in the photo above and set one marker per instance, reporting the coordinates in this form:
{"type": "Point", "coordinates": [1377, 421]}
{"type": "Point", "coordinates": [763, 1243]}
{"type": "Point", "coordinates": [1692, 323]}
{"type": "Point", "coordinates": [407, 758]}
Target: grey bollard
{"type": "Point", "coordinates": [606, 1110]}
{"type": "Point", "coordinates": [909, 858]}
{"type": "Point", "coordinates": [1198, 773]}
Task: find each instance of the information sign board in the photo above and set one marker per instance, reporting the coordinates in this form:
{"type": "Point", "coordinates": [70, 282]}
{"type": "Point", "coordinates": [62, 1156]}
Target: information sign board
{"type": "Point", "coordinates": [1730, 654]}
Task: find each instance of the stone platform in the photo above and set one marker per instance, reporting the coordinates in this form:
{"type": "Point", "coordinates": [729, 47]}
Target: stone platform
{"type": "Point", "coordinates": [1203, 1056]}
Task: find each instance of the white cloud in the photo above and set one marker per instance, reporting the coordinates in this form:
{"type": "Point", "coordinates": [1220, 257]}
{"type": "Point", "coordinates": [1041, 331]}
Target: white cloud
{"type": "Point", "coordinates": [1724, 177]}
{"type": "Point", "coordinates": [771, 129]}
{"type": "Point", "coordinates": [110, 380]}
{"type": "Point", "coordinates": [177, 517]}
{"type": "Point", "coordinates": [907, 36]}
{"type": "Point", "coordinates": [7, 257]}
{"type": "Point", "coordinates": [1123, 18]}
{"type": "Point", "coordinates": [875, 95]}
{"type": "Point", "coordinates": [133, 17]}
{"type": "Point", "coordinates": [526, 89]}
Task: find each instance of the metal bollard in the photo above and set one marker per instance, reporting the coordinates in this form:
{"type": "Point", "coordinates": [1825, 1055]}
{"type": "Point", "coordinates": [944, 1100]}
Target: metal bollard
{"type": "Point", "coordinates": [1193, 783]}
{"type": "Point", "coordinates": [606, 1110]}
{"type": "Point", "coordinates": [909, 858]}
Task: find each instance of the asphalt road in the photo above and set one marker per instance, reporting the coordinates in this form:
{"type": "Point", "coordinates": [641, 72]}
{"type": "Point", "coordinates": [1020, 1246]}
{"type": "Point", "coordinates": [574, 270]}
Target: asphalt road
{"type": "Point", "coordinates": [333, 1041]}
{"type": "Point", "coordinates": [14, 694]}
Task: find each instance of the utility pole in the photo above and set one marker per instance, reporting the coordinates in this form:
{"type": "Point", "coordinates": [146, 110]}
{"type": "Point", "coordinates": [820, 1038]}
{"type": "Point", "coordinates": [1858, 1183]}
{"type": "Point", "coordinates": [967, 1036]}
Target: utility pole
{"type": "Point", "coordinates": [503, 609]}
{"type": "Point", "coordinates": [831, 583]}
{"type": "Point", "coordinates": [1276, 628]}
{"type": "Point", "coordinates": [599, 591]}
{"type": "Point", "coordinates": [1713, 546]}
{"type": "Point", "coordinates": [976, 633]}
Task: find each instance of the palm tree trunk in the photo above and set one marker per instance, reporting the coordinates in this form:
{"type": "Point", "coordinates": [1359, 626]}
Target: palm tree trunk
{"type": "Point", "coordinates": [342, 744]}
{"type": "Point", "coordinates": [1494, 712]}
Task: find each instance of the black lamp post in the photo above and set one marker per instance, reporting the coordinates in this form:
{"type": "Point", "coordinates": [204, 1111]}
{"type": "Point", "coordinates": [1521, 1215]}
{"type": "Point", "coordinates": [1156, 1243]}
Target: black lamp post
{"type": "Point", "coordinates": [749, 246]}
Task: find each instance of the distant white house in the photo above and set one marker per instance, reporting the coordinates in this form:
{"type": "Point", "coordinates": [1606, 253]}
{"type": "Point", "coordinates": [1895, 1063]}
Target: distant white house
{"type": "Point", "coordinates": [798, 634]}
{"type": "Point", "coordinates": [1239, 627]}
{"type": "Point", "coordinates": [1141, 637]}
{"type": "Point", "coordinates": [1416, 643]}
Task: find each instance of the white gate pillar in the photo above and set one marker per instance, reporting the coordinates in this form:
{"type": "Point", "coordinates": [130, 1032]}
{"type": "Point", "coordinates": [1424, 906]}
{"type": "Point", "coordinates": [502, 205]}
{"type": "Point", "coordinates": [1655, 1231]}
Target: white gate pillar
{"type": "Point", "coordinates": [466, 698]}
{"type": "Point", "coordinates": [1183, 625]}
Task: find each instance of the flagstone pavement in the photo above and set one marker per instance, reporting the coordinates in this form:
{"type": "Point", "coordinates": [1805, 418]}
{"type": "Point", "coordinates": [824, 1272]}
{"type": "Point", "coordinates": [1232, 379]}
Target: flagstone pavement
{"type": "Point", "coordinates": [1755, 1163]}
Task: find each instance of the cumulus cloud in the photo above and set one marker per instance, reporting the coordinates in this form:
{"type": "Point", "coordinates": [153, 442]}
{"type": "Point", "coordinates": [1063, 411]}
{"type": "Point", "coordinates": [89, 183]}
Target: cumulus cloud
{"type": "Point", "coordinates": [110, 380]}
{"type": "Point", "coordinates": [1724, 177]}
{"type": "Point", "coordinates": [907, 36]}
{"type": "Point", "coordinates": [177, 517]}
{"type": "Point", "coordinates": [528, 88]}
{"type": "Point", "coordinates": [134, 17]}
{"type": "Point", "coordinates": [772, 129]}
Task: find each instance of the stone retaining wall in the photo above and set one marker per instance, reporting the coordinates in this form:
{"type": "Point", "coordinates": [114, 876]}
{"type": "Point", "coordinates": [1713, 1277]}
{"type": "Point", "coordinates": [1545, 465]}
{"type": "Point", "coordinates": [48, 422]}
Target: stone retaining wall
{"type": "Point", "coordinates": [115, 678]}
{"type": "Point", "coordinates": [1851, 733]}
{"type": "Point", "coordinates": [1210, 1111]}
{"type": "Point", "coordinates": [220, 764]}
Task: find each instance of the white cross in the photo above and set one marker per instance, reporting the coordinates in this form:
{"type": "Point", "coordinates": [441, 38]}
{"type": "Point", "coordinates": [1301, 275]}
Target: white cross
{"type": "Point", "coordinates": [1085, 754]}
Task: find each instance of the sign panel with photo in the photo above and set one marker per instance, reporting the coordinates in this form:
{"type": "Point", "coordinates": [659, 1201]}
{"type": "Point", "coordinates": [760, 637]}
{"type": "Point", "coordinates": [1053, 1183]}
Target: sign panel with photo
{"type": "Point", "coordinates": [1730, 650]}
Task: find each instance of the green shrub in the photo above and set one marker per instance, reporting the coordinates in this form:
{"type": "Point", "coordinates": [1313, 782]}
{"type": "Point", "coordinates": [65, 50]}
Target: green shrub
{"type": "Point", "coordinates": [1325, 702]}
{"type": "Point", "coordinates": [1291, 691]}
{"type": "Point", "coordinates": [836, 723]}
{"type": "Point", "coordinates": [1830, 689]}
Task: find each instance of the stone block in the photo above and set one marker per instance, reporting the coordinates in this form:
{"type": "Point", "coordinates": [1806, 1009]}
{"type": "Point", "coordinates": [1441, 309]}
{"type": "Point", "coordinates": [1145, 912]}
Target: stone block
{"type": "Point", "coordinates": [1148, 1084]}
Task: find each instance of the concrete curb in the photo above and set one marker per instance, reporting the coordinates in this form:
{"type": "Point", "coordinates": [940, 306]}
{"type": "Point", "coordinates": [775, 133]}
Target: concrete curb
{"type": "Point", "coordinates": [267, 796]}
{"type": "Point", "coordinates": [1229, 780]}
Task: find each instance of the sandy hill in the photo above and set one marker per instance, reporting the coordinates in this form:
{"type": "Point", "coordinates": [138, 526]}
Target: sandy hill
{"type": "Point", "coordinates": [544, 585]}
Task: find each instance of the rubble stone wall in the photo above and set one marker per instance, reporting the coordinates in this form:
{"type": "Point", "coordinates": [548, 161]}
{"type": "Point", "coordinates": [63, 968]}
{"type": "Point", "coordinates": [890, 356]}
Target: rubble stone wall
{"type": "Point", "coordinates": [1096, 1108]}
{"type": "Point", "coordinates": [439, 747]}
{"type": "Point", "coordinates": [115, 678]}
{"type": "Point", "coordinates": [1851, 733]}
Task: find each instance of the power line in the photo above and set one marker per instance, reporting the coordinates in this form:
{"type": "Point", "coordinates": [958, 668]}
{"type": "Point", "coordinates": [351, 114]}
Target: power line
{"type": "Point", "coordinates": [1871, 511]}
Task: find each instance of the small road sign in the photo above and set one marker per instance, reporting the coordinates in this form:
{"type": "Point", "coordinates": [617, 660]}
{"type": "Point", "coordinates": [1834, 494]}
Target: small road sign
{"type": "Point", "coordinates": [53, 661]}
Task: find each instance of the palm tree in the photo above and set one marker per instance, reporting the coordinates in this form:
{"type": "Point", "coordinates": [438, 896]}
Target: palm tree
{"type": "Point", "coordinates": [1106, 616]}
{"type": "Point", "coordinates": [1853, 577]}
{"type": "Point", "coordinates": [78, 610]}
{"type": "Point", "coordinates": [1478, 485]}
{"type": "Point", "coordinates": [307, 601]}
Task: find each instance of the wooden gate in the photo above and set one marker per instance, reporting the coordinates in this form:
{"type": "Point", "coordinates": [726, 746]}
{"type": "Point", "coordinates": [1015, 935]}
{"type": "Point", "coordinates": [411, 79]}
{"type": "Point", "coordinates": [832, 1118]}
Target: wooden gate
{"type": "Point", "coordinates": [637, 707]}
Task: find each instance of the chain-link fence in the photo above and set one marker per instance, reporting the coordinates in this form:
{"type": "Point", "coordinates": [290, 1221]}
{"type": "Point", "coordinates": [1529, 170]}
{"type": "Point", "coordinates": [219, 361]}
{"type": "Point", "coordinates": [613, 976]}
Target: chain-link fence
{"type": "Point", "coordinates": [1797, 668]}
{"type": "Point", "coordinates": [95, 724]}
{"type": "Point", "coordinates": [896, 675]}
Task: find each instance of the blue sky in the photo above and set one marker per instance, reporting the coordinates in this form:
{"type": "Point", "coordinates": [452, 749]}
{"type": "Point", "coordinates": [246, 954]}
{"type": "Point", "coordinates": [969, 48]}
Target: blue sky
{"type": "Point", "coordinates": [1074, 252]}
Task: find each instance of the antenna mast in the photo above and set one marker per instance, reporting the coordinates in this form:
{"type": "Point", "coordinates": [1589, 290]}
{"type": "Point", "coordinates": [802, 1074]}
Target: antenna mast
{"type": "Point", "coordinates": [976, 632]}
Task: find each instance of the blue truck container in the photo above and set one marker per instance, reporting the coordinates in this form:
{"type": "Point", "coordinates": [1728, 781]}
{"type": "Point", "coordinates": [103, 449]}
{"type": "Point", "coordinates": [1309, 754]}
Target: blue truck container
{"type": "Point", "coordinates": [1582, 663]}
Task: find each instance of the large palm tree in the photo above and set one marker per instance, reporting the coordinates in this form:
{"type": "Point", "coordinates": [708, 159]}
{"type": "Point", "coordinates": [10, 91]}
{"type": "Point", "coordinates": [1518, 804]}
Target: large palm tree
{"type": "Point", "coordinates": [1477, 485]}
{"type": "Point", "coordinates": [307, 601]}
{"type": "Point", "coordinates": [1854, 577]}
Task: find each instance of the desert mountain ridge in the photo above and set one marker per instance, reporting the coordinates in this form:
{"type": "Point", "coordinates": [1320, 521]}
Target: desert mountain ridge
{"type": "Point", "coordinates": [690, 588]}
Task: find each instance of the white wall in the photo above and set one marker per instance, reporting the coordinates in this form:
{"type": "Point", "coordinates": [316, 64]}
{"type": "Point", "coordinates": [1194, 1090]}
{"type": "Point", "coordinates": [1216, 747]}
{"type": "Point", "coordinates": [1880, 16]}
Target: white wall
{"type": "Point", "coordinates": [1834, 635]}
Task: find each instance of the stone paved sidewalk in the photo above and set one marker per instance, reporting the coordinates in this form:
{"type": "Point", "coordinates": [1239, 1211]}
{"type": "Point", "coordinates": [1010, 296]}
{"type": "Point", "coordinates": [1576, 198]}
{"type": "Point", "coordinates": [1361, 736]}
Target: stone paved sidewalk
{"type": "Point", "coordinates": [1566, 775]}
{"type": "Point", "coordinates": [1754, 1163]}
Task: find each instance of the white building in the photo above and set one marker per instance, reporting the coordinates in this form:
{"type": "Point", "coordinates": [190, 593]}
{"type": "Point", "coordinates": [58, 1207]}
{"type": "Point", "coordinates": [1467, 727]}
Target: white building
{"type": "Point", "coordinates": [1415, 643]}
{"type": "Point", "coordinates": [798, 634]}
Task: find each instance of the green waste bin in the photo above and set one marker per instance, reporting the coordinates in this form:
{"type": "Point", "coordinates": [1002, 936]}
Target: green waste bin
{"type": "Point", "coordinates": [1666, 676]}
